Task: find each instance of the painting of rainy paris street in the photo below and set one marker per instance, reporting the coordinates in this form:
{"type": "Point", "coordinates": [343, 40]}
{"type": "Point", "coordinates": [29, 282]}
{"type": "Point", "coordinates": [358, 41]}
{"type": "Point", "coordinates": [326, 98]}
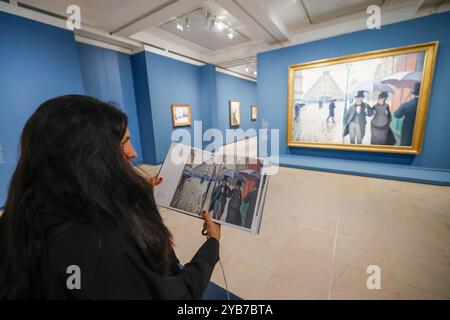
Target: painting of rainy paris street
{"type": "Point", "coordinates": [368, 102]}
{"type": "Point", "coordinates": [193, 187]}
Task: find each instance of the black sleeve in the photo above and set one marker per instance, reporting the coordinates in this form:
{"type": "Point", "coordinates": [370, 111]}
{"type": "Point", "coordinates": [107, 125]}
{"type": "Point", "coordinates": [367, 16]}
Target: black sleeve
{"type": "Point", "coordinates": [400, 112]}
{"type": "Point", "coordinates": [113, 268]}
{"type": "Point", "coordinates": [193, 279]}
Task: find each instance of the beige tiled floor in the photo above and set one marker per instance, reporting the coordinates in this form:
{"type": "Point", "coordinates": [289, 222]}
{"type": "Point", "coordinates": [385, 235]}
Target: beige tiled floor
{"type": "Point", "coordinates": [321, 231]}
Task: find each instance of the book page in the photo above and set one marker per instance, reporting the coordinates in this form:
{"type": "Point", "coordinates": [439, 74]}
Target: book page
{"type": "Point", "coordinates": [231, 192]}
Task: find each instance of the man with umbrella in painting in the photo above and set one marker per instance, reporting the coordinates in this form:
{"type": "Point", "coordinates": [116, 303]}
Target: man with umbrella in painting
{"type": "Point", "coordinates": [250, 195]}
{"type": "Point", "coordinates": [408, 111]}
{"type": "Point", "coordinates": [355, 120]}
{"type": "Point", "coordinates": [219, 198]}
{"type": "Point", "coordinates": [234, 206]}
{"type": "Point", "coordinates": [250, 199]}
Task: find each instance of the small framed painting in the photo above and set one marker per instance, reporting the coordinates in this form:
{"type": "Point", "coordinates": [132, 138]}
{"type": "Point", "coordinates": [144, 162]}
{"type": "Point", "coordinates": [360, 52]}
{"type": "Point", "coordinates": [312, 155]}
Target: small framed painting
{"type": "Point", "coordinates": [235, 113]}
{"type": "Point", "coordinates": [181, 115]}
{"type": "Point", "coordinates": [254, 112]}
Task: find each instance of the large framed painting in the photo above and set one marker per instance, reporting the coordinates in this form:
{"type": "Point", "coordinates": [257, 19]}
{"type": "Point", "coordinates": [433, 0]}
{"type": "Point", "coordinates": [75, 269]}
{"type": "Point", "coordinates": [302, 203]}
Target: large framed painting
{"type": "Point", "coordinates": [181, 115]}
{"type": "Point", "coordinates": [235, 113]}
{"type": "Point", "coordinates": [375, 101]}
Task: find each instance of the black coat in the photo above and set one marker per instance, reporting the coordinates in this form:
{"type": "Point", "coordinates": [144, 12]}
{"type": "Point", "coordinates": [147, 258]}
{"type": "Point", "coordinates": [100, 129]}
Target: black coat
{"type": "Point", "coordinates": [407, 110]}
{"type": "Point", "coordinates": [331, 108]}
{"type": "Point", "coordinates": [234, 207]}
{"type": "Point", "coordinates": [112, 267]}
{"type": "Point", "coordinates": [251, 200]}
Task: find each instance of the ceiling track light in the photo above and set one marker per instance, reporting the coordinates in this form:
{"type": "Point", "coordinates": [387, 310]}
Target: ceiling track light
{"type": "Point", "coordinates": [220, 25]}
{"type": "Point", "coordinates": [213, 22]}
{"type": "Point", "coordinates": [179, 26]}
{"type": "Point", "coordinates": [230, 34]}
{"type": "Point", "coordinates": [187, 25]}
{"type": "Point", "coordinates": [206, 17]}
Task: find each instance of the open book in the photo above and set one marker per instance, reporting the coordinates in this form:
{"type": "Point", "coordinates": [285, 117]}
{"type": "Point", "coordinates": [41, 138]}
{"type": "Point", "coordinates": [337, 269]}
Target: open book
{"type": "Point", "coordinates": [196, 180]}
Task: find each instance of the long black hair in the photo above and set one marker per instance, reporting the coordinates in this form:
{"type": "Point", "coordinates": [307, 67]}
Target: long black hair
{"type": "Point", "coordinates": [72, 166]}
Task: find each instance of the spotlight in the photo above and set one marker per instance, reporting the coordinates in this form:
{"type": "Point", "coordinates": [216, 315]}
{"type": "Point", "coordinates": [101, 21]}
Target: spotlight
{"type": "Point", "coordinates": [246, 68]}
{"type": "Point", "coordinates": [230, 34]}
{"type": "Point", "coordinates": [187, 25]}
{"type": "Point", "coordinates": [213, 22]}
{"type": "Point", "coordinates": [220, 25]}
{"type": "Point", "coordinates": [179, 26]}
{"type": "Point", "coordinates": [207, 19]}
{"type": "Point", "coordinates": [255, 73]}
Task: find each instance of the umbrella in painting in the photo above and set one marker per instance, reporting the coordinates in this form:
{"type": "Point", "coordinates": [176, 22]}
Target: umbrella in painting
{"type": "Point", "coordinates": [373, 86]}
{"type": "Point", "coordinates": [233, 174]}
{"type": "Point", "coordinates": [251, 175]}
{"type": "Point", "coordinates": [406, 79]}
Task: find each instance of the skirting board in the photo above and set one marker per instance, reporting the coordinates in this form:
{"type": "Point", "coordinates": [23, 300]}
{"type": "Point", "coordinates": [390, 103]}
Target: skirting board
{"type": "Point", "coordinates": [369, 169]}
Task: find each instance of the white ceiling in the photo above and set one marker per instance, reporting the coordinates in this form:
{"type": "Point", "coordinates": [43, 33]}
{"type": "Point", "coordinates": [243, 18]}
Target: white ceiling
{"type": "Point", "coordinates": [259, 25]}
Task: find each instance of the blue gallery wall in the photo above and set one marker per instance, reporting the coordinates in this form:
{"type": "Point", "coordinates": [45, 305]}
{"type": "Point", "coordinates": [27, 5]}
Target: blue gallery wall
{"type": "Point", "coordinates": [145, 118]}
{"type": "Point", "coordinates": [229, 87]}
{"type": "Point", "coordinates": [273, 76]}
{"type": "Point", "coordinates": [171, 82]}
{"type": "Point", "coordinates": [161, 81]}
{"type": "Point", "coordinates": [107, 75]}
{"type": "Point", "coordinates": [208, 96]}
{"type": "Point", "coordinates": [37, 62]}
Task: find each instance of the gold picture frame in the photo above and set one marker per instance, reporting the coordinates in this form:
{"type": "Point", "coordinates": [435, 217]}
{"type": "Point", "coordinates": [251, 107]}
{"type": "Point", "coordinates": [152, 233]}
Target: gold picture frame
{"type": "Point", "coordinates": [181, 115]}
{"type": "Point", "coordinates": [303, 95]}
{"type": "Point", "coordinates": [254, 112]}
{"type": "Point", "coordinates": [235, 113]}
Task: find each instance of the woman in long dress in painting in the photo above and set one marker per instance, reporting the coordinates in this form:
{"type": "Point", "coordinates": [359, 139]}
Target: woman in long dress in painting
{"type": "Point", "coordinates": [381, 132]}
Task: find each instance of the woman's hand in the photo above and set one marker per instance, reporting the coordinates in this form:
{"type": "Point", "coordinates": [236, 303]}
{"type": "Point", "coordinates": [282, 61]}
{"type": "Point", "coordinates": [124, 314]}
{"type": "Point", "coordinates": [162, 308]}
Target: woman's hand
{"type": "Point", "coordinates": [154, 181]}
{"type": "Point", "coordinates": [211, 227]}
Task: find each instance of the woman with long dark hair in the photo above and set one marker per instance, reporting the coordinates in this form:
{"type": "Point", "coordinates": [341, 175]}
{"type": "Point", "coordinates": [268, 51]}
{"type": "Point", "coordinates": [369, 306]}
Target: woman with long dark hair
{"type": "Point", "coordinates": [80, 223]}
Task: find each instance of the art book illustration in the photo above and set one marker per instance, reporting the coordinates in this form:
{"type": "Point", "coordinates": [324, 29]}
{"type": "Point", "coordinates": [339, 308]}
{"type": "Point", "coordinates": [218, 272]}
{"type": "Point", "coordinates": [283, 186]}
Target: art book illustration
{"type": "Point", "coordinates": [233, 192]}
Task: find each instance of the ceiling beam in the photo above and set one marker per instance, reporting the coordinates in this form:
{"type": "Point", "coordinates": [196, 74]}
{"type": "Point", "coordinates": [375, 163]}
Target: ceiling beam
{"type": "Point", "coordinates": [430, 6]}
{"type": "Point", "coordinates": [304, 11]}
{"type": "Point", "coordinates": [169, 10]}
{"type": "Point", "coordinates": [168, 41]}
{"type": "Point", "coordinates": [266, 18]}
{"type": "Point", "coordinates": [393, 12]}
{"type": "Point", "coordinates": [86, 31]}
{"type": "Point", "coordinates": [254, 31]}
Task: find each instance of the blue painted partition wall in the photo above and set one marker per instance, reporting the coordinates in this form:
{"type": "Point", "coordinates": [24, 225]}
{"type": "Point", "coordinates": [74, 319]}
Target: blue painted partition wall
{"type": "Point", "coordinates": [107, 75]}
{"type": "Point", "coordinates": [272, 99]}
{"type": "Point", "coordinates": [161, 81]}
{"type": "Point", "coordinates": [37, 62]}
